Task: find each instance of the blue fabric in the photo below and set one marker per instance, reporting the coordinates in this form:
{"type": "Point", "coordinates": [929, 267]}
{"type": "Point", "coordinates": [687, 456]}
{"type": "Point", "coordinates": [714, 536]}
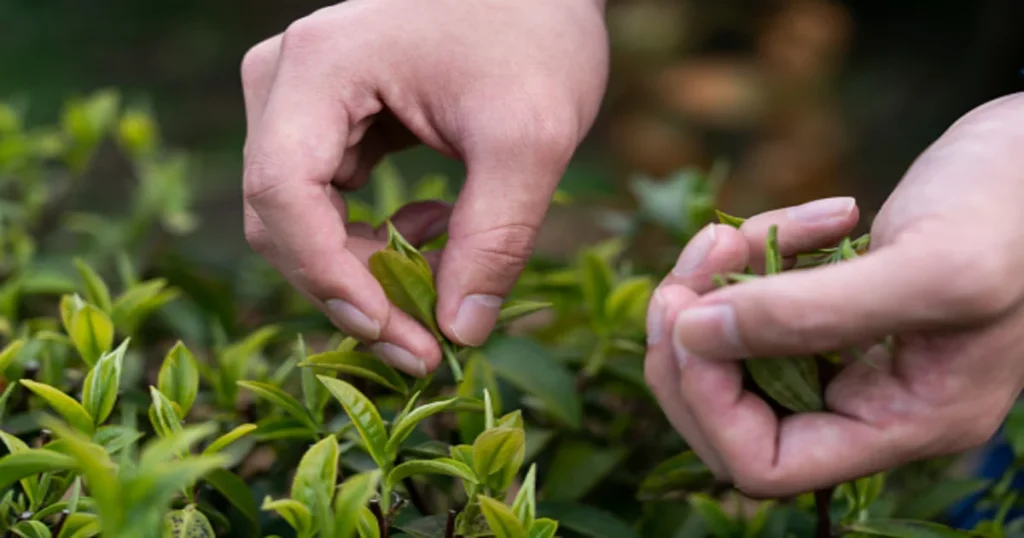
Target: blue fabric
{"type": "Point", "coordinates": [996, 458]}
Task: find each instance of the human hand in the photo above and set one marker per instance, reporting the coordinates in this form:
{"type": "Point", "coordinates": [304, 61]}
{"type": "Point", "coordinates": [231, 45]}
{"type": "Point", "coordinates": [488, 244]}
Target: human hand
{"type": "Point", "coordinates": [943, 276]}
{"type": "Point", "coordinates": [508, 87]}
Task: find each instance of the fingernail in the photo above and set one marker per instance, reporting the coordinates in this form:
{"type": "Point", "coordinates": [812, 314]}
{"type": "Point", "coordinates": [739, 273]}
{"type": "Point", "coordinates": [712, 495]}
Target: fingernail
{"type": "Point", "coordinates": [825, 209]}
{"type": "Point", "coordinates": [654, 321]}
{"type": "Point", "coordinates": [696, 252]}
{"type": "Point", "coordinates": [717, 321]}
{"type": "Point", "coordinates": [352, 320]}
{"type": "Point", "coordinates": [400, 358]}
{"type": "Point", "coordinates": [475, 318]}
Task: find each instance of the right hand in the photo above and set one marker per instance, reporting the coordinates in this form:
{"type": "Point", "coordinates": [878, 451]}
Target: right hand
{"type": "Point", "coordinates": [510, 88]}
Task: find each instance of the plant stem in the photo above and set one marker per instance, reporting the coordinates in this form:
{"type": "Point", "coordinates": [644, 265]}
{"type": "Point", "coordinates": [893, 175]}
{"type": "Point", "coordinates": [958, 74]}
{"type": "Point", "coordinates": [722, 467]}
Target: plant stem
{"type": "Point", "coordinates": [823, 502]}
{"type": "Point", "coordinates": [382, 524]}
{"type": "Point", "coordinates": [449, 526]}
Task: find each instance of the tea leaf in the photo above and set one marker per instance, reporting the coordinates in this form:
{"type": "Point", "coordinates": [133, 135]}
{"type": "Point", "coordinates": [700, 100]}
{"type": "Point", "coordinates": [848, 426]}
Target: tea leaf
{"type": "Point", "coordinates": [96, 290]}
{"type": "Point", "coordinates": [179, 377]}
{"type": "Point", "coordinates": [725, 218]}
{"type": "Point", "coordinates": [406, 285]}
{"type": "Point", "coordinates": [368, 525]}
{"type": "Point", "coordinates": [442, 466]}
{"type": "Point", "coordinates": [364, 365]}
{"type": "Point", "coordinates": [596, 280]}
{"type": "Point", "coordinates": [187, 523]}
{"type": "Point", "coordinates": [679, 473]}
{"type": "Point", "coordinates": [897, 528]}
{"type": "Point", "coordinates": [773, 257]}
{"type": "Point", "coordinates": [92, 332]}
{"type": "Point", "coordinates": [65, 405]}
{"type": "Point", "coordinates": [165, 419]}
{"type": "Point", "coordinates": [500, 519]}
{"type": "Point", "coordinates": [513, 310]}
{"type": "Point", "coordinates": [25, 463]}
{"type": "Point", "coordinates": [543, 528]}
{"type": "Point", "coordinates": [31, 529]}
{"type": "Point", "coordinates": [223, 441]}
{"type": "Point", "coordinates": [316, 475]}
{"type": "Point", "coordinates": [717, 521]}
{"type": "Point", "coordinates": [494, 448]}
{"type": "Point", "coordinates": [577, 467]}
{"type": "Point", "coordinates": [364, 417]}
{"type": "Point", "coordinates": [281, 399]}
{"type": "Point", "coordinates": [931, 503]}
{"type": "Point", "coordinates": [525, 504]}
{"type": "Point", "coordinates": [790, 381]}
{"type": "Point", "coordinates": [294, 512]}
{"type": "Point", "coordinates": [530, 368]}
{"type": "Point", "coordinates": [236, 491]}
{"type": "Point", "coordinates": [9, 352]}
{"type": "Point", "coordinates": [479, 379]}
{"type": "Point", "coordinates": [627, 303]}
{"type": "Point", "coordinates": [352, 497]}
{"type": "Point", "coordinates": [404, 426]}
{"type": "Point", "coordinates": [102, 383]}
{"type": "Point", "coordinates": [398, 243]}
{"type": "Point", "coordinates": [80, 525]}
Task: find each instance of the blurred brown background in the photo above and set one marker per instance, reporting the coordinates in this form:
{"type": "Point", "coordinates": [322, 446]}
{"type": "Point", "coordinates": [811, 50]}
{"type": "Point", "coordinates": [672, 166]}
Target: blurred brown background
{"type": "Point", "coordinates": [804, 98]}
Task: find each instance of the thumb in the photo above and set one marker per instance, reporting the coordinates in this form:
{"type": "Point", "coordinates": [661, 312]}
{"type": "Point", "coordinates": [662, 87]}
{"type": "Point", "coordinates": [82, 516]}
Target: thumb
{"type": "Point", "coordinates": [897, 289]}
{"type": "Point", "coordinates": [490, 238]}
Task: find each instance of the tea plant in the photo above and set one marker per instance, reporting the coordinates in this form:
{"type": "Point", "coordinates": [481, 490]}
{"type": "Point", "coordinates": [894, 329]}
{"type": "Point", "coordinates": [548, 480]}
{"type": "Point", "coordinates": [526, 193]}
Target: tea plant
{"type": "Point", "coordinates": [144, 394]}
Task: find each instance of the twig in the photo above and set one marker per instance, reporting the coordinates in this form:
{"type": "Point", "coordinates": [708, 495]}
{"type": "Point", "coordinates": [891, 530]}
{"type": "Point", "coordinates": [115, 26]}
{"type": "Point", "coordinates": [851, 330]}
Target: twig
{"type": "Point", "coordinates": [414, 494]}
{"type": "Point", "coordinates": [449, 527]}
{"type": "Point", "coordinates": [382, 524]}
{"type": "Point", "coordinates": [823, 503]}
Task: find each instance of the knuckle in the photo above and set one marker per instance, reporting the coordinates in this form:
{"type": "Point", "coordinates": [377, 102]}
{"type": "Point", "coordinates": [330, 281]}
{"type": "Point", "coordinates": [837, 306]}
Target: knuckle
{"type": "Point", "coordinates": [257, 238]}
{"type": "Point", "coordinates": [754, 485]}
{"type": "Point", "coordinates": [501, 252]}
{"type": "Point", "coordinates": [302, 35]}
{"type": "Point", "coordinates": [980, 290]}
{"type": "Point", "coordinates": [258, 62]}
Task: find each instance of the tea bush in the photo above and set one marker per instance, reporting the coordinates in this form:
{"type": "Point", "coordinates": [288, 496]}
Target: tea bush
{"type": "Point", "coordinates": [145, 395]}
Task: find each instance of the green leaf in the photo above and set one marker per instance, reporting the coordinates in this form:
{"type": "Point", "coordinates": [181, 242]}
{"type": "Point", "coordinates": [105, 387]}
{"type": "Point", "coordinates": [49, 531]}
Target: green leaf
{"type": "Point", "coordinates": [80, 525]}
{"type": "Point", "coordinates": [9, 352]}
{"type": "Point", "coordinates": [494, 448]}
{"type": "Point", "coordinates": [543, 528]}
{"type": "Point", "coordinates": [162, 449]}
{"type": "Point", "coordinates": [188, 522]}
{"type": "Point", "coordinates": [179, 377]}
{"type": "Point", "coordinates": [406, 424]}
{"type": "Point", "coordinates": [96, 468]}
{"type": "Point", "coordinates": [525, 504]}
{"type": "Point", "coordinates": [92, 333]}
{"type": "Point", "coordinates": [596, 280]}
{"type": "Point", "coordinates": [627, 302]}
{"type": "Point", "coordinates": [937, 498]}
{"type": "Point", "coordinates": [577, 467]}
{"type": "Point", "coordinates": [352, 497]}
{"type": "Point", "coordinates": [773, 257]}
{"type": "Point", "coordinates": [223, 441]}
{"type": "Point", "coordinates": [398, 244]}
{"type": "Point", "coordinates": [441, 466]}
{"type": "Point", "coordinates": [364, 365]}
{"type": "Point", "coordinates": [725, 218]}
{"type": "Point", "coordinates": [389, 190]}
{"type": "Point", "coordinates": [513, 310]}
{"type": "Point", "coordinates": [685, 472]}
{"type": "Point", "coordinates": [364, 417]}
{"type": "Point", "coordinates": [96, 290]}
{"type": "Point", "coordinates": [714, 517]}
{"type": "Point", "coordinates": [294, 512]}
{"type": "Point", "coordinates": [236, 491]}
{"type": "Point", "coordinates": [897, 528]}
{"type": "Point", "coordinates": [31, 529]}
{"type": "Point", "coordinates": [479, 378]}
{"type": "Point", "coordinates": [406, 285]}
{"type": "Point", "coordinates": [530, 368]}
{"type": "Point", "coordinates": [500, 519]}
{"type": "Point", "coordinates": [280, 399]}
{"type": "Point", "coordinates": [316, 475]}
{"type": "Point", "coordinates": [102, 384]}
{"type": "Point", "coordinates": [162, 415]}
{"type": "Point", "coordinates": [368, 525]}
{"type": "Point", "coordinates": [65, 405]}
{"type": "Point", "coordinates": [25, 463]}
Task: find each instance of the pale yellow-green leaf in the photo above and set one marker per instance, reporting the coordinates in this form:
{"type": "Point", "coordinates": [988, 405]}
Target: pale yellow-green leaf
{"type": "Point", "coordinates": [66, 406]}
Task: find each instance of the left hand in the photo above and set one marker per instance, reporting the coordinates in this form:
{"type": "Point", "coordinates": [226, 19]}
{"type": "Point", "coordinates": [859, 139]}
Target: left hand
{"type": "Point", "coordinates": [944, 276]}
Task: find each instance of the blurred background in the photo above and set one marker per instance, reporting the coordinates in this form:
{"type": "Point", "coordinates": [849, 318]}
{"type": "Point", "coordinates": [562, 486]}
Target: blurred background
{"type": "Point", "coordinates": [802, 98]}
